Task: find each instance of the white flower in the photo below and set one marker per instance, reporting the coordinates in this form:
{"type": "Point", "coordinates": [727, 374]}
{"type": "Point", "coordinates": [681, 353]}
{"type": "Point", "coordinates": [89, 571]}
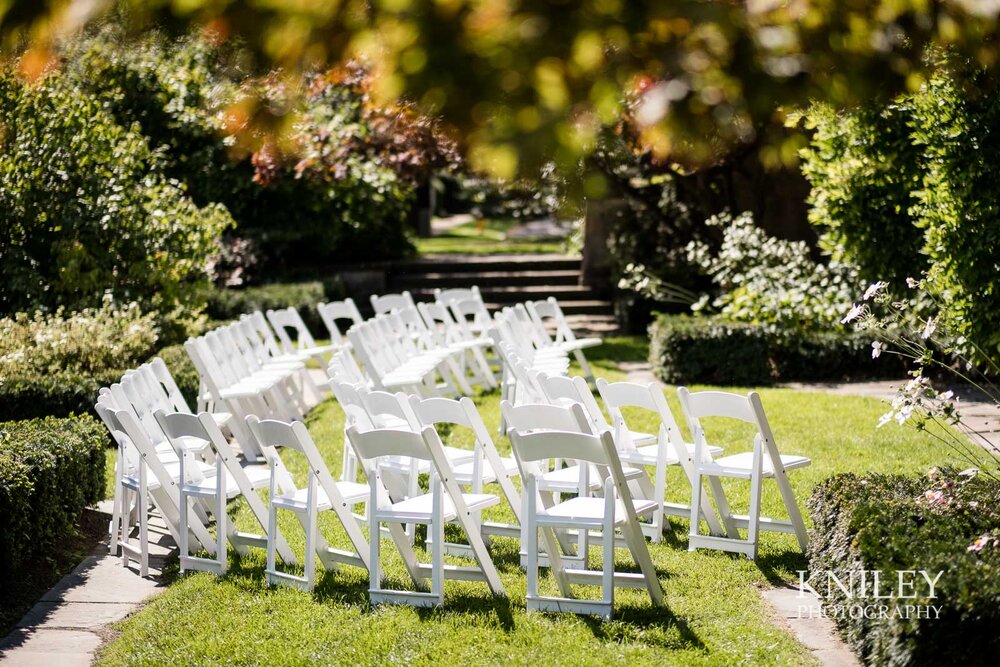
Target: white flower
{"type": "Point", "coordinates": [886, 418]}
{"type": "Point", "coordinates": [877, 348]}
{"type": "Point", "coordinates": [969, 472]}
{"type": "Point", "coordinates": [911, 283]}
{"type": "Point", "coordinates": [853, 315]}
{"type": "Point", "coordinates": [874, 289]}
{"type": "Point", "coordinates": [929, 328]}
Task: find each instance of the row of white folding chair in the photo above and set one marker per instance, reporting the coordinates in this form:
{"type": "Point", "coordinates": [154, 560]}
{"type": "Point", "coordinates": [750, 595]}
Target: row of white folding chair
{"type": "Point", "coordinates": [455, 335]}
{"type": "Point", "coordinates": [142, 394]}
{"type": "Point", "coordinates": [658, 451]}
{"type": "Point", "coordinates": [536, 437]}
{"type": "Point", "coordinates": [699, 460]}
{"type": "Point", "coordinates": [393, 360]}
{"type": "Point", "coordinates": [236, 381]}
{"type": "Point", "coordinates": [257, 352]}
{"type": "Point", "coordinates": [468, 306]}
{"type": "Point", "coordinates": [140, 391]}
{"type": "Point", "coordinates": [548, 316]}
{"type": "Point", "coordinates": [288, 321]}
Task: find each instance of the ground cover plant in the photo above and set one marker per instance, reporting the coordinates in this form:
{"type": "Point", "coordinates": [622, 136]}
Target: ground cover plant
{"type": "Point", "coordinates": [714, 614]}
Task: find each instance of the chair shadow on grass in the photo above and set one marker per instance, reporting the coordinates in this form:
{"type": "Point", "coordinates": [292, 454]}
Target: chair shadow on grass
{"type": "Point", "coordinates": [773, 564]}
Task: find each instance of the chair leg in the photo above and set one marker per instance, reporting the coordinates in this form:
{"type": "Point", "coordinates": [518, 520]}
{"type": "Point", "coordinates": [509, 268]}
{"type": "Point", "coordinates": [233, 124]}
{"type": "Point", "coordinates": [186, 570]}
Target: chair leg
{"type": "Point", "coordinates": [792, 507]}
{"type": "Point", "coordinates": [531, 543]}
{"type": "Point", "coordinates": [221, 554]}
{"type": "Point", "coordinates": [436, 528]}
{"type": "Point", "coordinates": [754, 522]}
{"type": "Point", "coordinates": [608, 553]}
{"type": "Point", "coordinates": [183, 527]}
{"type": "Point", "coordinates": [143, 528]}
{"type": "Point", "coordinates": [310, 556]}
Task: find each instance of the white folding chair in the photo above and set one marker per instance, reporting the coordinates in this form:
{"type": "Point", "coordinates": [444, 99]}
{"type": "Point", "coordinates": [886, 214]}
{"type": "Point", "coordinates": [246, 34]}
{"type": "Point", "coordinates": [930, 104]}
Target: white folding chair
{"type": "Point", "coordinates": [148, 475]}
{"type": "Point", "coordinates": [615, 512]}
{"type": "Point", "coordinates": [561, 476]}
{"type": "Point", "coordinates": [445, 503]}
{"type": "Point", "coordinates": [322, 493]}
{"type": "Point", "coordinates": [763, 462]}
{"type": "Point", "coordinates": [548, 316]}
{"type": "Point", "coordinates": [486, 467]}
{"type": "Point", "coordinates": [656, 450]}
{"type": "Point", "coordinates": [231, 480]}
{"type": "Point", "coordinates": [387, 303]}
{"type": "Point", "coordinates": [288, 319]}
{"type": "Point", "coordinates": [457, 337]}
{"type": "Point", "coordinates": [331, 312]}
{"type": "Point", "coordinates": [467, 305]}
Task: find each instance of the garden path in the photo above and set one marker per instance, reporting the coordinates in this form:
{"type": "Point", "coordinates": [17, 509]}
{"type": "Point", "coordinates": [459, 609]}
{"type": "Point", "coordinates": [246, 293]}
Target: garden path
{"type": "Point", "coordinates": [71, 621]}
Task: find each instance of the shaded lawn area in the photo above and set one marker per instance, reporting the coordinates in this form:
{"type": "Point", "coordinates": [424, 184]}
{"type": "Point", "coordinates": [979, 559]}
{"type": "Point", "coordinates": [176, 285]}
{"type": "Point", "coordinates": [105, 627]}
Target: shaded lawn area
{"type": "Point", "coordinates": [488, 237]}
{"type": "Point", "coordinates": [714, 614]}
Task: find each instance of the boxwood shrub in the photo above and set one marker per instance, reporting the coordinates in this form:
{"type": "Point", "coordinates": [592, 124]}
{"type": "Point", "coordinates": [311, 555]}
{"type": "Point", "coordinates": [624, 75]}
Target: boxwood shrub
{"type": "Point", "coordinates": [947, 523]}
{"type": "Point", "coordinates": [35, 395]}
{"type": "Point", "coordinates": [229, 304]}
{"type": "Point", "coordinates": [50, 469]}
{"type": "Point", "coordinates": [712, 350]}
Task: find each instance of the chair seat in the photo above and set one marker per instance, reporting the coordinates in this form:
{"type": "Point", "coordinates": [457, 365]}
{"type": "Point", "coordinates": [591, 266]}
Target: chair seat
{"type": "Point", "coordinates": [419, 509]}
{"type": "Point", "coordinates": [259, 475]}
{"type": "Point", "coordinates": [352, 492]}
{"type": "Point", "coordinates": [566, 480]}
{"type": "Point", "coordinates": [579, 344]}
{"type": "Point", "coordinates": [463, 471]}
{"type": "Point", "coordinates": [741, 465]}
{"type": "Point", "coordinates": [589, 512]}
{"type": "Point", "coordinates": [647, 455]}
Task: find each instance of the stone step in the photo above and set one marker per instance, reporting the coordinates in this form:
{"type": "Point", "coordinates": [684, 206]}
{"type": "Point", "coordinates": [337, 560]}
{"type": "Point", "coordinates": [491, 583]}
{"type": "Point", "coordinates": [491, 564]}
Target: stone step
{"type": "Point", "coordinates": [583, 307]}
{"type": "Point", "coordinates": [446, 279]}
{"type": "Point", "coordinates": [476, 264]}
{"type": "Point", "coordinates": [522, 293]}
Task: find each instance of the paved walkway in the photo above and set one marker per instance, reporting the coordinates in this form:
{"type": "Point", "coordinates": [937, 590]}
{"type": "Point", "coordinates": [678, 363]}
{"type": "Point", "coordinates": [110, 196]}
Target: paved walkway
{"type": "Point", "coordinates": [66, 627]}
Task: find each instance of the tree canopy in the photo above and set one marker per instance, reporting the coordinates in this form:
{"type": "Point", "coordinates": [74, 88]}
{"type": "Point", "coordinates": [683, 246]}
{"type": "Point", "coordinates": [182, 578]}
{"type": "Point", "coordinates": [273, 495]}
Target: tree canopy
{"type": "Point", "coordinates": [527, 82]}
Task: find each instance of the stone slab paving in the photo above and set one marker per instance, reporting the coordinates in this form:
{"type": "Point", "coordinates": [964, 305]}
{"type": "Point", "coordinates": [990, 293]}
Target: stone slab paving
{"type": "Point", "coordinates": [64, 628]}
{"type": "Point", "coordinates": [802, 615]}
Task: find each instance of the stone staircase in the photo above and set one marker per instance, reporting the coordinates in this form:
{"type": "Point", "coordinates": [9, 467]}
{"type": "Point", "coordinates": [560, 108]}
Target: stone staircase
{"type": "Point", "coordinates": [508, 279]}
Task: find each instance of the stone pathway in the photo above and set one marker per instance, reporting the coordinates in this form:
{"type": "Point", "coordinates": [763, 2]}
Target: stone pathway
{"type": "Point", "coordinates": [802, 615]}
{"type": "Point", "coordinates": [68, 624]}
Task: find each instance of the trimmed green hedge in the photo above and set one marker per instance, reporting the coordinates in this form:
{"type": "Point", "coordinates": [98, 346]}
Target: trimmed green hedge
{"type": "Point", "coordinates": [894, 523]}
{"type": "Point", "coordinates": [229, 304]}
{"type": "Point", "coordinates": [710, 350]}
{"type": "Point", "coordinates": [53, 394]}
{"type": "Point", "coordinates": [62, 394]}
{"type": "Point", "coordinates": [50, 469]}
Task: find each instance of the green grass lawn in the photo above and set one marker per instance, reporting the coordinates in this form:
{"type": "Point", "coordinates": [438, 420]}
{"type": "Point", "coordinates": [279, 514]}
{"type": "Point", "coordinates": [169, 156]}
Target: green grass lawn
{"type": "Point", "coordinates": [487, 238]}
{"type": "Point", "coordinates": [714, 614]}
